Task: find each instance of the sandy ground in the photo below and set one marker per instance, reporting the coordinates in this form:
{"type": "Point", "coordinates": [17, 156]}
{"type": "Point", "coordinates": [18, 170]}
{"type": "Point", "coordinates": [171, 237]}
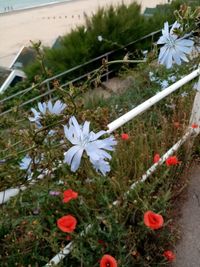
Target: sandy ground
{"type": "Point", "coordinates": [47, 23]}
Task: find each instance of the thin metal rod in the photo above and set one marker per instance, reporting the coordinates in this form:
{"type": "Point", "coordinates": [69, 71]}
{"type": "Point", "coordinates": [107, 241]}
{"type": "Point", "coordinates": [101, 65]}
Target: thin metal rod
{"type": "Point", "coordinates": [136, 111]}
{"type": "Point", "coordinates": [61, 255]}
{"type": "Point", "coordinates": [170, 152]}
{"type": "Point", "coordinates": [12, 192]}
{"type": "Point", "coordinates": [18, 93]}
{"type": "Point", "coordinates": [80, 66]}
{"type": "Point", "coordinates": [103, 56]}
{"type": "Point", "coordinates": [150, 102]}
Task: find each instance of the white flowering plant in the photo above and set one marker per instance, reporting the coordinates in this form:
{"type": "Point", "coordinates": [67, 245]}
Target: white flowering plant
{"type": "Point", "coordinates": [180, 41]}
{"type": "Point", "coordinates": [79, 172]}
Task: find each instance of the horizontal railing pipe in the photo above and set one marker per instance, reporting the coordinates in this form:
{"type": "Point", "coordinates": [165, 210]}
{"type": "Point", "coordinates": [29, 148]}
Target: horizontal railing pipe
{"type": "Point", "coordinates": [6, 194]}
{"type": "Point", "coordinates": [51, 91]}
{"type": "Point", "coordinates": [138, 110]}
{"type": "Point", "coordinates": [150, 102]}
{"type": "Point", "coordinates": [105, 55]}
{"type": "Point", "coordinates": [18, 93]}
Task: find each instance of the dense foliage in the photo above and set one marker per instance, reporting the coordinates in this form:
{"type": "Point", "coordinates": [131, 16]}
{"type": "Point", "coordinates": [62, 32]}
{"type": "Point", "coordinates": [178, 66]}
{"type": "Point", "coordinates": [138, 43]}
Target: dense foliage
{"type": "Point", "coordinates": [116, 230]}
{"type": "Point", "coordinates": [119, 25]}
{"type": "Point", "coordinates": [82, 185]}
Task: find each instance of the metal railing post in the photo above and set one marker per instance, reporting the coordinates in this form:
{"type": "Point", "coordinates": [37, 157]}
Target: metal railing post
{"type": "Point", "coordinates": [48, 89]}
{"type": "Point", "coordinates": [195, 115]}
{"type": "Point", "coordinates": [107, 69]}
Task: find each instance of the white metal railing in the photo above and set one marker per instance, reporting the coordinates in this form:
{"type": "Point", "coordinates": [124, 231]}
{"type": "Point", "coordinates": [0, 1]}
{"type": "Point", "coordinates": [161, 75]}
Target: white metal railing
{"type": "Point", "coordinates": [47, 82]}
{"type": "Point", "coordinates": [7, 194]}
{"type": "Point", "coordinates": [150, 102]}
{"type": "Point", "coordinates": [195, 118]}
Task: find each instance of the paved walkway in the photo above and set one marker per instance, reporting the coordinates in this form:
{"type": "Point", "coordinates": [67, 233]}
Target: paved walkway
{"type": "Point", "coordinates": [188, 249]}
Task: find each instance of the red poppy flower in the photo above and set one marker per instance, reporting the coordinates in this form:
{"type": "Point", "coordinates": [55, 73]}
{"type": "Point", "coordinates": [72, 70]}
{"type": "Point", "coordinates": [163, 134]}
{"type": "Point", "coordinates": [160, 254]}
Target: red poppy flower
{"type": "Point", "coordinates": [108, 261]}
{"type": "Point", "coordinates": [176, 124]}
{"type": "Point", "coordinates": [153, 220]}
{"type": "Point", "coordinates": [169, 255]}
{"type": "Point", "coordinates": [68, 237]}
{"type": "Point", "coordinates": [172, 161]}
{"type": "Point", "coordinates": [67, 223]}
{"type": "Point", "coordinates": [156, 158]}
{"type": "Point", "coordinates": [124, 136]}
{"type": "Point", "coordinates": [195, 126]}
{"type": "Point", "coordinates": [68, 195]}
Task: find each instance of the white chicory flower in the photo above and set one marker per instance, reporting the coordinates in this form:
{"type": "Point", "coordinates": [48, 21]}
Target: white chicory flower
{"type": "Point", "coordinates": [172, 78]}
{"type": "Point", "coordinates": [25, 163]}
{"type": "Point", "coordinates": [164, 84]}
{"type": "Point", "coordinates": [84, 140]}
{"type": "Point", "coordinates": [184, 94]}
{"type": "Point", "coordinates": [99, 38]}
{"type": "Point", "coordinates": [152, 76]}
{"type": "Point", "coordinates": [47, 108]}
{"type": "Point", "coordinates": [174, 49]}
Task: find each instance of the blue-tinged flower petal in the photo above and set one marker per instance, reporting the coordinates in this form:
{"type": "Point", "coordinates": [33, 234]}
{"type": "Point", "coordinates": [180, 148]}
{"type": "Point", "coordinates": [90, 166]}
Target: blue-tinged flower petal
{"type": "Point", "coordinates": [176, 25]}
{"type": "Point", "coordinates": [50, 107]}
{"type": "Point", "coordinates": [86, 128]}
{"type": "Point", "coordinates": [76, 127]}
{"type": "Point", "coordinates": [175, 56]}
{"type": "Point", "coordinates": [185, 46]}
{"type": "Point", "coordinates": [94, 152]}
{"type": "Point", "coordinates": [101, 166]}
{"type": "Point", "coordinates": [107, 143]}
{"type": "Point", "coordinates": [165, 31]}
{"type": "Point", "coordinates": [76, 160]}
{"type": "Point", "coordinates": [32, 119]}
{"type": "Point", "coordinates": [185, 49]}
{"type": "Point", "coordinates": [166, 59]}
{"type": "Point", "coordinates": [25, 163]}
{"type": "Point", "coordinates": [84, 140]}
{"type": "Point", "coordinates": [164, 84]}
{"type": "Point", "coordinates": [174, 49]}
{"type": "Point", "coordinates": [162, 54]}
{"type": "Point", "coordinates": [162, 40]}
{"type": "Point", "coordinates": [185, 42]}
{"type": "Point", "coordinates": [183, 56]}
{"type": "Point", "coordinates": [46, 108]}
{"type": "Point", "coordinates": [172, 78]}
{"type": "Point", "coordinates": [36, 117]}
{"type": "Point", "coordinates": [70, 154]}
{"type": "Point", "coordinates": [42, 107]}
{"type": "Point", "coordinates": [70, 135]}
{"type": "Point", "coordinates": [58, 107]}
{"type": "Point", "coordinates": [94, 136]}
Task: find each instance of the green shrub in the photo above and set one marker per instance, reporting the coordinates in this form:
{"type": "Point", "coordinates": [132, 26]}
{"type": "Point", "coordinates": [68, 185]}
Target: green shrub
{"type": "Point", "coordinates": [120, 25]}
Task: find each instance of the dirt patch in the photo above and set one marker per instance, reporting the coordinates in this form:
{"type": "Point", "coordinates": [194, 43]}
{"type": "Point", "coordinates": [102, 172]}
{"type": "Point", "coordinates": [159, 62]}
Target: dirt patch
{"type": "Point", "coordinates": [112, 86]}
